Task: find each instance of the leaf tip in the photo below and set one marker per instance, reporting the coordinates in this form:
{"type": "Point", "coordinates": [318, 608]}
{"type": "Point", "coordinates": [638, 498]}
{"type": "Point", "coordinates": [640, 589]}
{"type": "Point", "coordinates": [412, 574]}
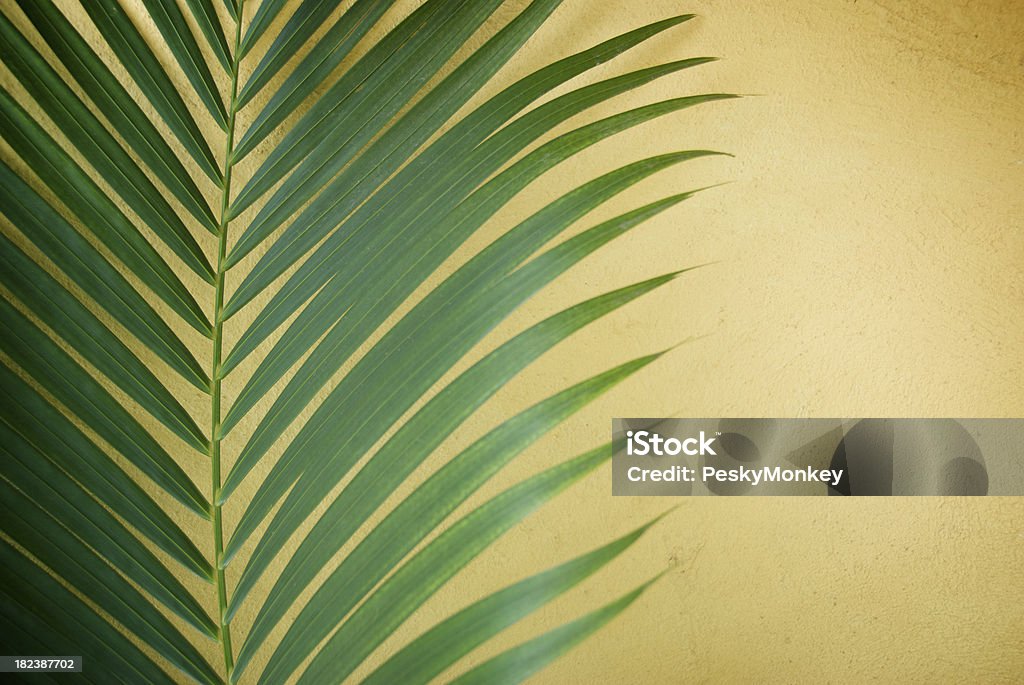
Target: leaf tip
{"type": "Point", "coordinates": [684, 341]}
{"type": "Point", "coordinates": [643, 588]}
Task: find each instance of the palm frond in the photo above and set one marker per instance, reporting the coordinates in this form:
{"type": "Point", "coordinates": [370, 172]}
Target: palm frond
{"type": "Point", "coordinates": [119, 107]}
{"type": "Point", "coordinates": [365, 180]}
{"type": "Point", "coordinates": [517, 664]}
{"type": "Point", "coordinates": [433, 651]}
{"type": "Point", "coordinates": [154, 82]}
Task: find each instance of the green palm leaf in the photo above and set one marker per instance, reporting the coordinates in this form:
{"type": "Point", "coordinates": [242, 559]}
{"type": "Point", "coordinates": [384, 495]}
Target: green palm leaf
{"type": "Point", "coordinates": [155, 83]}
{"type": "Point", "coordinates": [118, 106]}
{"type": "Point", "coordinates": [518, 664]}
{"type": "Point", "coordinates": [445, 643]}
{"type": "Point", "coordinates": [117, 303]}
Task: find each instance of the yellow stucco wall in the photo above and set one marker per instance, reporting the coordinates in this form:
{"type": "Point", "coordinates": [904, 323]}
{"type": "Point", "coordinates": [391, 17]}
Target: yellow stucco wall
{"type": "Point", "coordinates": [868, 261]}
{"type": "Point", "coordinates": [869, 253]}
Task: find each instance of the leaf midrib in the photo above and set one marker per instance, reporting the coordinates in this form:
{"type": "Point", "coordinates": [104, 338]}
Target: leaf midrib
{"type": "Point", "coordinates": [218, 345]}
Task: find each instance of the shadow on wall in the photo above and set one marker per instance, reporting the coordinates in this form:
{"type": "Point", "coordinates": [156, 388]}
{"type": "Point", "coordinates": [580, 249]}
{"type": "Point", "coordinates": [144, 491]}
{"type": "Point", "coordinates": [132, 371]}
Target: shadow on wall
{"type": "Point", "coordinates": [908, 457]}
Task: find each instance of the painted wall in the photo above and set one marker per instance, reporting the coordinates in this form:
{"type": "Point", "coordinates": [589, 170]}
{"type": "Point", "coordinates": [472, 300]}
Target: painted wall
{"type": "Point", "coordinates": [867, 261]}
{"type": "Point", "coordinates": [869, 257]}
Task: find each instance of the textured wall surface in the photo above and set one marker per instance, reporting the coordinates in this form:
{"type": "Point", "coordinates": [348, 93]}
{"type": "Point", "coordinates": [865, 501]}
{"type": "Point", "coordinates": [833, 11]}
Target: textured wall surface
{"type": "Point", "coordinates": [869, 263]}
{"type": "Point", "coordinates": [866, 261]}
